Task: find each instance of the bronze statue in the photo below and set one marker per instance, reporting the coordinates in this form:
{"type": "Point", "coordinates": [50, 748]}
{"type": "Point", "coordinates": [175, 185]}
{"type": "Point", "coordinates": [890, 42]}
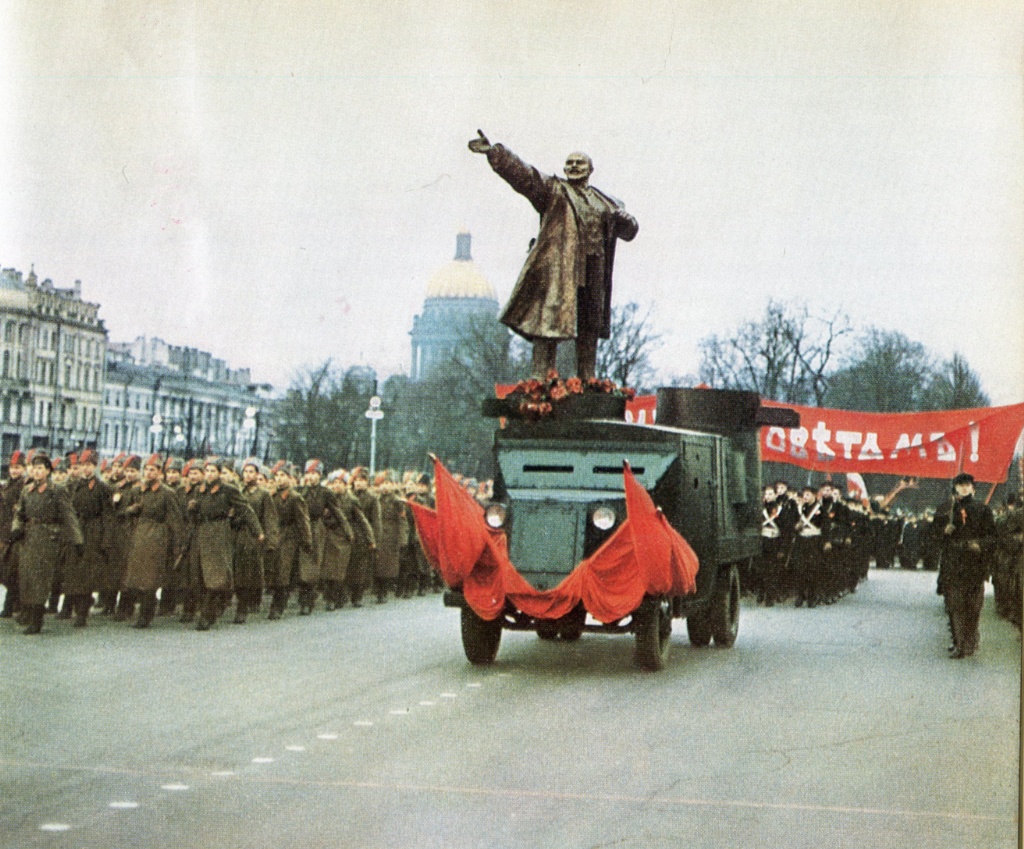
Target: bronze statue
{"type": "Point", "coordinates": [564, 290]}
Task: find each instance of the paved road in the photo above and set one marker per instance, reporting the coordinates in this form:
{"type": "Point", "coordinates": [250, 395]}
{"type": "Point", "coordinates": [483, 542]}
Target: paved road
{"type": "Point", "coordinates": [839, 726]}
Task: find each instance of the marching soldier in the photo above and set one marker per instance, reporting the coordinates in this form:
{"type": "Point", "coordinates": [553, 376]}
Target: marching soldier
{"type": "Point", "coordinates": [807, 547]}
{"type": "Point", "coordinates": [362, 565]}
{"type": "Point", "coordinates": [90, 498]}
{"type": "Point", "coordinates": [187, 562]}
{"type": "Point", "coordinates": [778, 518]}
{"type": "Point", "coordinates": [42, 519]}
{"type": "Point", "coordinates": [969, 535]}
{"type": "Point", "coordinates": [394, 524]}
{"type": "Point", "coordinates": [339, 533]}
{"type": "Point", "coordinates": [156, 539]}
{"type": "Point", "coordinates": [296, 542]}
{"type": "Point", "coordinates": [10, 492]}
{"type": "Point", "coordinates": [214, 505]}
{"type": "Point", "coordinates": [249, 549]}
{"type": "Point", "coordinates": [322, 507]}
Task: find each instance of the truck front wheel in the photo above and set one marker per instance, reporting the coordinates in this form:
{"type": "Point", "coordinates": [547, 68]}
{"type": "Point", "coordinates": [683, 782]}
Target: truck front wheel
{"type": "Point", "coordinates": [724, 614]}
{"type": "Point", "coordinates": [652, 626]}
{"type": "Point", "coordinates": [480, 638]}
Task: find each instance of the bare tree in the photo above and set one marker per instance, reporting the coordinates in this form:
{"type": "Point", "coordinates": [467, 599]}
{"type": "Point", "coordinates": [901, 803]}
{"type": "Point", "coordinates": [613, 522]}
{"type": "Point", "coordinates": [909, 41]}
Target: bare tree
{"type": "Point", "coordinates": [786, 355]}
{"type": "Point", "coordinates": [887, 373]}
{"type": "Point", "coordinates": [954, 386]}
{"type": "Point", "coordinates": [625, 357]}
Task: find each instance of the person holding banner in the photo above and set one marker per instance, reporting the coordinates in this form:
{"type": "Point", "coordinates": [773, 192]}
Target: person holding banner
{"type": "Point", "coordinates": [968, 531]}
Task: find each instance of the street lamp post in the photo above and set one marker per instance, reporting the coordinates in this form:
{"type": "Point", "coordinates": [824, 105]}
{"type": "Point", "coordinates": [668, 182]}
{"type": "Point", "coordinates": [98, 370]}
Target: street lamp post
{"type": "Point", "coordinates": [374, 414]}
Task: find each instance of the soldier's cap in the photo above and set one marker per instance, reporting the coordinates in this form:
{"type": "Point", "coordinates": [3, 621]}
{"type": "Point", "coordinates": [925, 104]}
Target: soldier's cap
{"type": "Point", "coordinates": [278, 467]}
{"type": "Point", "coordinates": [314, 466]}
{"type": "Point", "coordinates": [72, 458]}
{"type": "Point", "coordinates": [963, 477]}
{"type": "Point", "coordinates": [59, 464]}
{"type": "Point", "coordinates": [424, 480]}
{"type": "Point", "coordinates": [132, 461]}
{"type": "Point", "coordinates": [213, 461]}
{"type": "Point", "coordinates": [174, 464]}
{"type": "Point", "coordinates": [103, 464]}
{"type": "Point", "coordinates": [781, 482]}
{"type": "Point", "coordinates": [118, 459]}
{"type": "Point", "coordinates": [17, 459]}
{"type": "Point", "coordinates": [360, 473]}
{"type": "Point", "coordinates": [87, 456]}
{"type": "Point", "coordinates": [227, 464]}
{"type": "Point", "coordinates": [381, 478]}
{"type": "Point", "coordinates": [334, 476]}
{"type": "Point", "coordinates": [41, 458]}
{"type": "Point", "coordinates": [155, 460]}
{"type": "Point", "coordinates": [251, 461]}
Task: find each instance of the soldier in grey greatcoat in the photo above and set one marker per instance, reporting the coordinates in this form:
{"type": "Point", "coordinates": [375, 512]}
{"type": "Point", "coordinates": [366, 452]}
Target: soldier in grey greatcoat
{"type": "Point", "coordinates": [43, 519]}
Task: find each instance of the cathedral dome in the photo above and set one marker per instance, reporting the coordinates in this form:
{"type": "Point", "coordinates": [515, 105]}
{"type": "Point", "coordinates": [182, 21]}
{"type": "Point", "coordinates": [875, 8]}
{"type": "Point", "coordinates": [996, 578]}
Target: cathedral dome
{"type": "Point", "coordinates": [460, 278]}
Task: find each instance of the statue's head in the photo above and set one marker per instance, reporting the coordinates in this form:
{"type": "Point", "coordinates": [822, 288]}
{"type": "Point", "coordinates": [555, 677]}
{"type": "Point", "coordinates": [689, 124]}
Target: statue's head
{"type": "Point", "coordinates": [578, 168]}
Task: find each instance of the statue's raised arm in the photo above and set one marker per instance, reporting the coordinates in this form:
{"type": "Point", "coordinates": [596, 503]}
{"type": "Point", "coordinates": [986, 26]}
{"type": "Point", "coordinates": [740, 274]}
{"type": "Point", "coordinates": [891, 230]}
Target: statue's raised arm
{"type": "Point", "coordinates": [564, 289]}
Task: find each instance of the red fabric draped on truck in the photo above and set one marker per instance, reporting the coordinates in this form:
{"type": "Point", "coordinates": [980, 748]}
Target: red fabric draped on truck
{"type": "Point", "coordinates": [644, 555]}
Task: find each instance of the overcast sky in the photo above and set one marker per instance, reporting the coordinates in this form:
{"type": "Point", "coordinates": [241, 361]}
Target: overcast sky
{"type": "Point", "coordinates": [276, 182]}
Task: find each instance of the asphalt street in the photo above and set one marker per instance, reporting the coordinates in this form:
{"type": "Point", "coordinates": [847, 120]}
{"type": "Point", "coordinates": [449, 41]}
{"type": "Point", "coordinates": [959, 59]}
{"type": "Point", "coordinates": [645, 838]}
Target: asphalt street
{"type": "Point", "coordinates": [842, 726]}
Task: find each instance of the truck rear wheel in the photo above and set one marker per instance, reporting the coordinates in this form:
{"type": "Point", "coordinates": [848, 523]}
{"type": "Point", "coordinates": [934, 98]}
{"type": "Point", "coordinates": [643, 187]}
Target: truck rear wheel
{"type": "Point", "coordinates": [652, 626]}
{"type": "Point", "coordinates": [480, 638]}
{"type": "Point", "coordinates": [571, 625]}
{"type": "Point", "coordinates": [724, 614]}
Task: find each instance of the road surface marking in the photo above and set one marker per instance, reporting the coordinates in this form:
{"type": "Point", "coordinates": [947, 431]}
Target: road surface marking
{"type": "Point", "coordinates": [428, 703]}
{"type": "Point", "coordinates": [123, 806]}
{"type": "Point", "coordinates": [223, 773]}
{"type": "Point", "coordinates": [399, 711]}
{"type": "Point", "coordinates": [55, 826]}
{"type": "Point", "coordinates": [174, 787]}
{"type": "Point", "coordinates": [363, 723]}
{"type": "Point", "coordinates": [448, 696]}
{"type": "Point", "coordinates": [474, 684]}
{"type": "Point", "coordinates": [326, 736]}
{"type": "Point", "coordinates": [262, 760]}
{"type": "Point", "coordinates": [295, 748]}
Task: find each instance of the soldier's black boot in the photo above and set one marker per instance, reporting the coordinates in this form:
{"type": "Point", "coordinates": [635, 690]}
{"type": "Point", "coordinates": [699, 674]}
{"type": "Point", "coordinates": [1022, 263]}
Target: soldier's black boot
{"type": "Point", "coordinates": [65, 608]}
{"type": "Point", "coordinates": [125, 606]}
{"type": "Point", "coordinates": [168, 602]}
{"type": "Point", "coordinates": [34, 617]}
{"type": "Point", "coordinates": [82, 605]}
{"type": "Point", "coordinates": [108, 602]}
{"type": "Point", "coordinates": [147, 610]}
{"type": "Point", "coordinates": [209, 611]}
{"type": "Point", "coordinates": [278, 602]}
{"type": "Point", "coordinates": [188, 607]}
{"type": "Point", "coordinates": [241, 607]}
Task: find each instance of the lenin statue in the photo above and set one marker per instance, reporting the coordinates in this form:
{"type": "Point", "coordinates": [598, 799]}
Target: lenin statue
{"type": "Point", "coordinates": [565, 288]}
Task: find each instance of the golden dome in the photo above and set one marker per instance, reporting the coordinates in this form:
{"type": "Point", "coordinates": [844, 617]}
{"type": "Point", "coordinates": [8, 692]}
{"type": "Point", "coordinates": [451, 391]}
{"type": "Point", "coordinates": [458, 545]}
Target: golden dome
{"type": "Point", "coordinates": [460, 277]}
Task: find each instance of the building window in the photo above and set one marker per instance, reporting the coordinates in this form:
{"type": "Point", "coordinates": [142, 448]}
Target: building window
{"type": "Point", "coordinates": [6, 368]}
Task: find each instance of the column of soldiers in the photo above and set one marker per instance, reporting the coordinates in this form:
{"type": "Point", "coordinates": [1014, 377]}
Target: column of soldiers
{"type": "Point", "coordinates": [133, 540]}
{"type": "Point", "coordinates": [813, 546]}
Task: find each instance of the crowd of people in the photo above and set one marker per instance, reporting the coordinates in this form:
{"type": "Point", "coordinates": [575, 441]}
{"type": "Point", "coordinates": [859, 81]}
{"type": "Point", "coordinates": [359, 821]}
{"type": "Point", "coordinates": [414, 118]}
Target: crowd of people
{"type": "Point", "coordinates": [817, 545]}
{"type": "Point", "coordinates": [132, 539]}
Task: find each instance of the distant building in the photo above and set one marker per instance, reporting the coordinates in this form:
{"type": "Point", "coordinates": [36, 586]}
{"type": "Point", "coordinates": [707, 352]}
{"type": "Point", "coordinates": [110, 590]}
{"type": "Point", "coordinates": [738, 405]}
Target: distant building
{"type": "Point", "coordinates": [161, 397]}
{"type": "Point", "coordinates": [52, 356]}
{"type": "Point", "coordinates": [457, 294]}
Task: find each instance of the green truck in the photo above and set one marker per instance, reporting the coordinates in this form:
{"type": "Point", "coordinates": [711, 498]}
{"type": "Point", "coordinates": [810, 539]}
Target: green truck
{"type": "Point", "coordinates": [558, 495]}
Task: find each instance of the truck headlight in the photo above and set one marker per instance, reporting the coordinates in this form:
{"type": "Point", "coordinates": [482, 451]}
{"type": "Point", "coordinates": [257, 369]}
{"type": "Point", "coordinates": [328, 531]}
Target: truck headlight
{"type": "Point", "coordinates": [495, 515]}
{"type": "Point", "coordinates": [603, 518]}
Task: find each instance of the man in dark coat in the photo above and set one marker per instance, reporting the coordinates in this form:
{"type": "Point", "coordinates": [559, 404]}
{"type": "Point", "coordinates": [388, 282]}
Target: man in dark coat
{"type": "Point", "coordinates": [363, 562]}
{"type": "Point", "coordinates": [91, 499]}
{"type": "Point", "coordinates": [10, 492]}
{"type": "Point", "coordinates": [564, 290]}
{"type": "Point", "coordinates": [214, 505]}
{"type": "Point", "coordinates": [296, 541]}
{"type": "Point", "coordinates": [249, 549]}
{"type": "Point", "coordinates": [157, 537]}
{"type": "Point", "coordinates": [43, 519]}
{"type": "Point", "coordinates": [969, 536]}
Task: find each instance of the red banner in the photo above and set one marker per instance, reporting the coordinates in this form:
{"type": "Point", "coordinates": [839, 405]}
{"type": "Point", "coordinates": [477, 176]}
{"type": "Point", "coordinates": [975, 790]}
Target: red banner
{"type": "Point", "coordinates": [979, 441]}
